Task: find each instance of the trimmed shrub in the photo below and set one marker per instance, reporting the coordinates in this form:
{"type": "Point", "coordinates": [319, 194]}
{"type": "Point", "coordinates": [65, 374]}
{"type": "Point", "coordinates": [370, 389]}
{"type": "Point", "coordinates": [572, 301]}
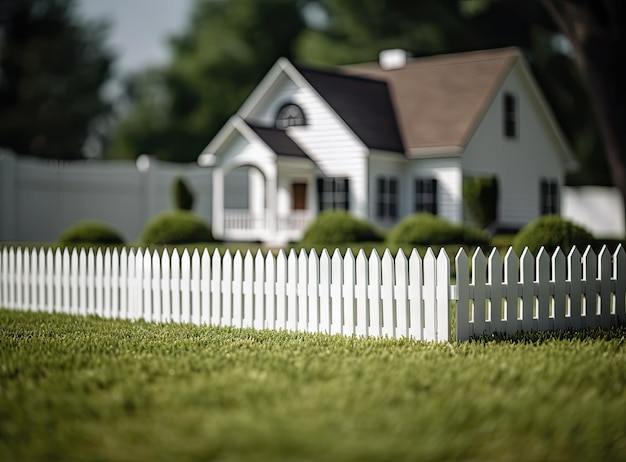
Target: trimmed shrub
{"type": "Point", "coordinates": [335, 227]}
{"type": "Point", "coordinates": [427, 229]}
{"type": "Point", "coordinates": [183, 197]}
{"type": "Point", "coordinates": [552, 231]}
{"type": "Point", "coordinates": [480, 195]}
{"type": "Point", "coordinates": [176, 227]}
{"type": "Point", "coordinates": [90, 232]}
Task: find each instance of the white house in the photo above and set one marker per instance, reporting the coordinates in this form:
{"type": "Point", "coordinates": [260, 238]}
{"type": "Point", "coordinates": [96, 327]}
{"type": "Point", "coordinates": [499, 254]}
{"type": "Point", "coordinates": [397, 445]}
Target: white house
{"type": "Point", "coordinates": [385, 140]}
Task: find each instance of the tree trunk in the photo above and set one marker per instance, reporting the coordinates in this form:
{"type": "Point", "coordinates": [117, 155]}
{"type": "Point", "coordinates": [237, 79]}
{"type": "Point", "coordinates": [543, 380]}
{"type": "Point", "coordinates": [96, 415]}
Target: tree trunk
{"type": "Point", "coordinates": [595, 29]}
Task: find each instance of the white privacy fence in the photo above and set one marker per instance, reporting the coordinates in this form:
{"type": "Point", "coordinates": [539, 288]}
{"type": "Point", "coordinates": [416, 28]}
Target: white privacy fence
{"type": "Point", "coordinates": [395, 296]}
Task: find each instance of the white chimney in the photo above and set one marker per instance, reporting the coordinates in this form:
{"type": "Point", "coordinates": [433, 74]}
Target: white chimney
{"type": "Point", "coordinates": [393, 59]}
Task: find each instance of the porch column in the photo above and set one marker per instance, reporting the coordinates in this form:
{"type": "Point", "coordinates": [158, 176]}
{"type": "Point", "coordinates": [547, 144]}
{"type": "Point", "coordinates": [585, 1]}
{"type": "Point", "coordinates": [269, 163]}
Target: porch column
{"type": "Point", "coordinates": [272, 209]}
{"type": "Point", "coordinates": [217, 219]}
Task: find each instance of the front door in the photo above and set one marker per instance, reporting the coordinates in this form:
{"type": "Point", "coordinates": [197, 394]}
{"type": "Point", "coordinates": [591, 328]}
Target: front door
{"type": "Point", "coordinates": [298, 194]}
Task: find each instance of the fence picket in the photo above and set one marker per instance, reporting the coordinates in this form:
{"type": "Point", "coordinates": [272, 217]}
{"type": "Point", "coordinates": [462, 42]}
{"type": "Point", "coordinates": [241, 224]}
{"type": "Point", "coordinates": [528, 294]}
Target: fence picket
{"type": "Point", "coordinates": [11, 286]}
{"type": "Point", "coordinates": [416, 276]}
{"type": "Point", "coordinates": [360, 289]}
{"type": "Point", "coordinates": [91, 282]}
{"type": "Point", "coordinates": [41, 279]}
{"type": "Point", "coordinates": [313, 301]}
{"type": "Point", "coordinates": [124, 277]}
{"type": "Point", "coordinates": [511, 278]}
{"type": "Point", "coordinates": [115, 283]}
{"type": "Point", "coordinates": [401, 267]}
{"type": "Point", "coordinates": [106, 284]}
{"type": "Point", "coordinates": [619, 276]}
{"type": "Point", "coordinates": [281, 290]}
{"type": "Point", "coordinates": [527, 278]}
{"type": "Point", "coordinates": [559, 278]}
{"type": "Point", "coordinates": [373, 294]}
{"type": "Point", "coordinates": [27, 280]}
{"type": "Point", "coordinates": [175, 286]}
{"type": "Point", "coordinates": [227, 289]}
{"type": "Point", "coordinates": [302, 291]}
{"type": "Point", "coordinates": [99, 283]}
{"type": "Point", "coordinates": [348, 284]}
{"type": "Point", "coordinates": [237, 288]}
{"type": "Point", "coordinates": [291, 291]}
{"type": "Point", "coordinates": [430, 295]}
{"type": "Point", "coordinates": [270, 291]}
{"type": "Point", "coordinates": [19, 279]}
{"type": "Point", "coordinates": [464, 330]}
{"type": "Point", "coordinates": [388, 297]}
{"type": "Point", "coordinates": [216, 289]}
{"type": "Point", "coordinates": [205, 287]}
{"type": "Point", "coordinates": [259, 316]}
{"type": "Point", "coordinates": [247, 290]}
{"type": "Point", "coordinates": [479, 281]}
{"type": "Point", "coordinates": [58, 281]}
{"type": "Point", "coordinates": [157, 303]}
{"type": "Point", "coordinates": [196, 315]}
{"type": "Point", "coordinates": [574, 277]}
{"type": "Point", "coordinates": [65, 278]}
{"type": "Point", "coordinates": [146, 288]}
{"type": "Point", "coordinates": [443, 297]}
{"type": "Point", "coordinates": [325, 307]}
{"type": "Point", "coordinates": [4, 280]}
{"type": "Point", "coordinates": [542, 278]}
{"type": "Point", "coordinates": [590, 270]}
{"type": "Point", "coordinates": [136, 309]}
{"type": "Point", "coordinates": [604, 274]}
{"type": "Point", "coordinates": [494, 281]}
{"type": "Point", "coordinates": [166, 281]}
{"type": "Point", "coordinates": [82, 282]}
{"type": "Point", "coordinates": [185, 287]}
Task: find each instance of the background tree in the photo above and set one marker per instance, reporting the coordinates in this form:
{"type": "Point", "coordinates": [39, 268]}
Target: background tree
{"type": "Point", "coordinates": [52, 68]}
{"type": "Point", "coordinates": [225, 51]}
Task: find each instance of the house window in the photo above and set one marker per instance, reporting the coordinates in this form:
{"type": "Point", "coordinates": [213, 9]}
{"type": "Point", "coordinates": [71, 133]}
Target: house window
{"type": "Point", "coordinates": [549, 197]}
{"type": "Point", "coordinates": [510, 116]}
{"type": "Point", "coordinates": [290, 115]}
{"type": "Point", "coordinates": [387, 197]}
{"type": "Point", "coordinates": [333, 194]}
{"type": "Point", "coordinates": [426, 195]}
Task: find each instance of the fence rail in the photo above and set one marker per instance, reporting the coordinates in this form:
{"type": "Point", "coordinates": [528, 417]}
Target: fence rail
{"type": "Point", "coordinates": [394, 296]}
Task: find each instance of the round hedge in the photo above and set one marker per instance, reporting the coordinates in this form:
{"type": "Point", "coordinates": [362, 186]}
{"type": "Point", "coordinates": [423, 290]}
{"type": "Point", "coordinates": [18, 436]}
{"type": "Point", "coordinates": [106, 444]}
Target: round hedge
{"type": "Point", "coordinates": [176, 227]}
{"type": "Point", "coordinates": [552, 231]}
{"type": "Point", "coordinates": [335, 227]}
{"type": "Point", "coordinates": [427, 229]}
{"type": "Point", "coordinates": [90, 232]}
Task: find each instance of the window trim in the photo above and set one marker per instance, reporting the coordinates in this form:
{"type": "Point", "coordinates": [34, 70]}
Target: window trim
{"type": "Point", "coordinates": [549, 196]}
{"type": "Point", "coordinates": [333, 193]}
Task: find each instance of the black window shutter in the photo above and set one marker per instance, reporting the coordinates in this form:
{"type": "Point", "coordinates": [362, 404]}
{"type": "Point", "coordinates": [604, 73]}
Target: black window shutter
{"type": "Point", "coordinates": [320, 194]}
{"type": "Point", "coordinates": [393, 193]}
{"type": "Point", "coordinates": [434, 196]}
{"type": "Point", "coordinates": [346, 188]}
{"type": "Point", "coordinates": [543, 196]}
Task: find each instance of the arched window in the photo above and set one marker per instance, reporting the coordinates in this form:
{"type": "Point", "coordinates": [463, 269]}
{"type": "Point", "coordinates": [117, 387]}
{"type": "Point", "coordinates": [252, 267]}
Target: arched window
{"type": "Point", "coordinates": [290, 115]}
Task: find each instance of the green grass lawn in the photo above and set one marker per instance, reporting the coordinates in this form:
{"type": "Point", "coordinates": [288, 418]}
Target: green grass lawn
{"type": "Point", "coordinates": [90, 389]}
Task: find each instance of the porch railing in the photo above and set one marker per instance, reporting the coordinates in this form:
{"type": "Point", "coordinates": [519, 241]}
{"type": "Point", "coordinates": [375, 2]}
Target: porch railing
{"type": "Point", "coordinates": [244, 220]}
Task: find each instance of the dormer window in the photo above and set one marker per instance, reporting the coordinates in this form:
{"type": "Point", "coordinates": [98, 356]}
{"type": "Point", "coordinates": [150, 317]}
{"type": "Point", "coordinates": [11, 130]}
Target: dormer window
{"type": "Point", "coordinates": [290, 115]}
{"type": "Point", "coordinates": [510, 116]}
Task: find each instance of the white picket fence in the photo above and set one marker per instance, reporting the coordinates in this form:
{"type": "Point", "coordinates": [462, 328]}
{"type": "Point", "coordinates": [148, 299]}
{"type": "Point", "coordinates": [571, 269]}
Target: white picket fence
{"type": "Point", "coordinates": [365, 296]}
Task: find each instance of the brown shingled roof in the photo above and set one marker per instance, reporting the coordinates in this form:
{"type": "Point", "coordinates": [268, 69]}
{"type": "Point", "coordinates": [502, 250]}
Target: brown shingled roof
{"type": "Point", "coordinates": [440, 99]}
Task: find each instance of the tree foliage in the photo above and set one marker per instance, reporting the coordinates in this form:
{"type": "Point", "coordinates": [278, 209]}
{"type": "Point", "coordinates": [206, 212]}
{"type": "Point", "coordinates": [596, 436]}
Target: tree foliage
{"type": "Point", "coordinates": [52, 68]}
{"type": "Point", "coordinates": [224, 53]}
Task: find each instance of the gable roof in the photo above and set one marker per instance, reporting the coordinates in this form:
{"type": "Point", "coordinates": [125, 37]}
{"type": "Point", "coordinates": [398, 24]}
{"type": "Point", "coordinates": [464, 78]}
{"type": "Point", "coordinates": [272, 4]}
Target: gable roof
{"type": "Point", "coordinates": [278, 141]}
{"type": "Point", "coordinates": [364, 104]}
{"type": "Point", "coordinates": [439, 100]}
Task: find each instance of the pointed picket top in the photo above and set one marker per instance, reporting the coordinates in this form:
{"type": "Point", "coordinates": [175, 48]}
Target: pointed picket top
{"type": "Point", "coordinates": [195, 256]}
{"type": "Point", "coordinates": [415, 259]}
{"type": "Point", "coordinates": [206, 256]}
{"type": "Point", "coordinates": [237, 263]}
{"type": "Point", "coordinates": [388, 262]}
{"type": "Point", "coordinates": [313, 256]}
{"type": "Point", "coordinates": [348, 257]}
{"type": "Point", "coordinates": [325, 260]}
{"type": "Point", "coordinates": [58, 254]}
{"type": "Point", "coordinates": [361, 264]}
{"type": "Point", "coordinates": [147, 262]}
{"type": "Point", "coordinates": [495, 265]}
{"type": "Point", "coordinates": [216, 254]}
{"type": "Point", "coordinates": [589, 264]}
{"type": "Point", "coordinates": [479, 265]}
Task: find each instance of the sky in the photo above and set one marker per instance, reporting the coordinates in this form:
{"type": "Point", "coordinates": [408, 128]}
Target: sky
{"type": "Point", "coordinates": [139, 28]}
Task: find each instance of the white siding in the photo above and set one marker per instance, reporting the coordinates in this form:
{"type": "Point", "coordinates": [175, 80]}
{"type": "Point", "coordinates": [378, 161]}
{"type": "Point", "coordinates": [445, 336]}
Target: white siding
{"type": "Point", "coordinates": [521, 162]}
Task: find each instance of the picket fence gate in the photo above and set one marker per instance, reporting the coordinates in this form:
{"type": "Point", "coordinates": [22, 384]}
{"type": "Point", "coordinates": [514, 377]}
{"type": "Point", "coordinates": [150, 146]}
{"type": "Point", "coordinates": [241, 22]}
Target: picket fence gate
{"type": "Point", "coordinates": [391, 296]}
